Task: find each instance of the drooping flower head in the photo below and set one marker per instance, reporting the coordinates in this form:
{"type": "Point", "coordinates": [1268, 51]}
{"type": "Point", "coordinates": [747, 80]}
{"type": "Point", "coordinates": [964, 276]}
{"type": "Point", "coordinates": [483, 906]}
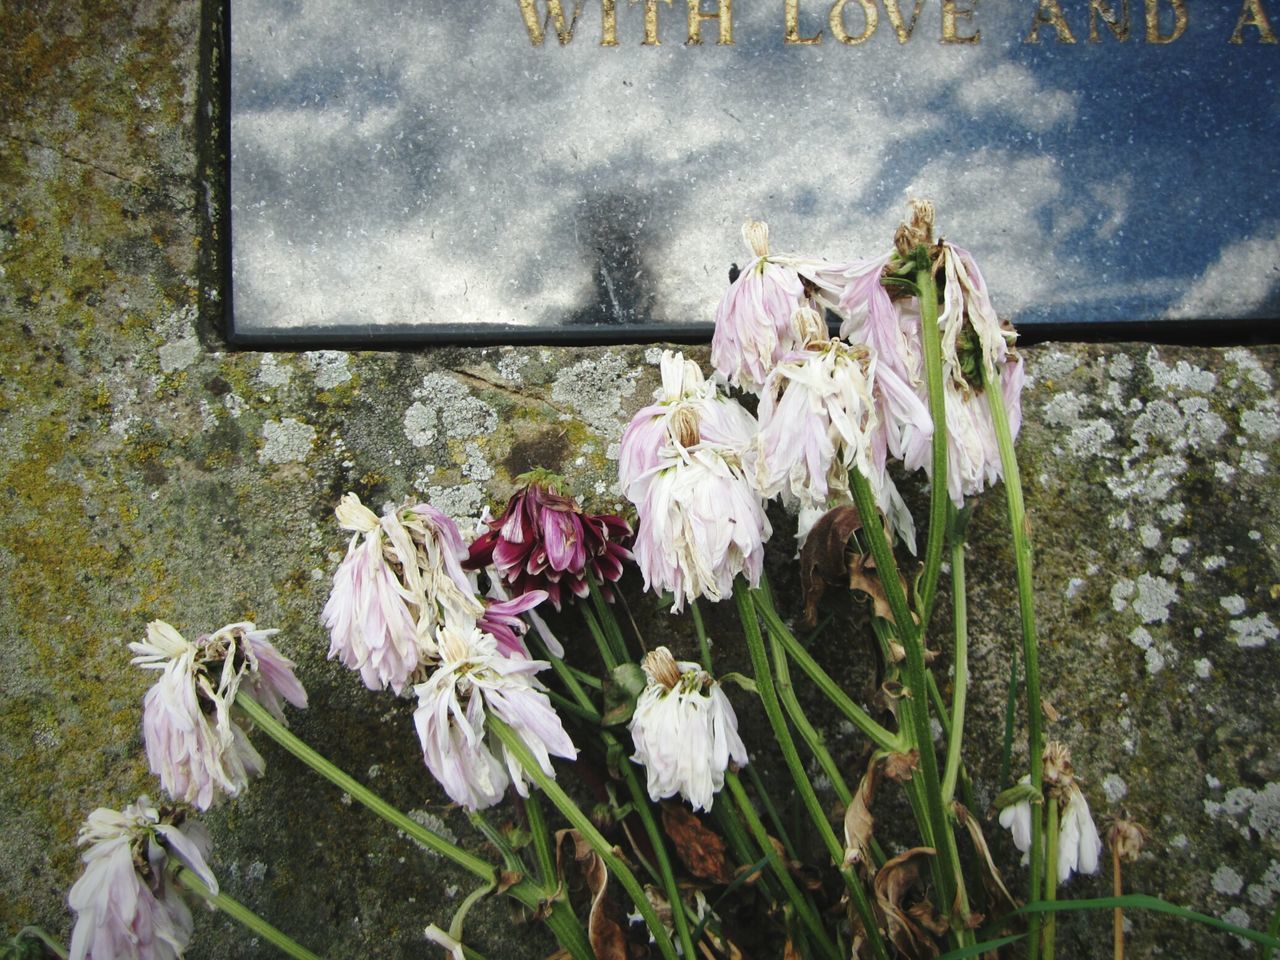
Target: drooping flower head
{"type": "Point", "coordinates": [472, 680]}
{"type": "Point", "coordinates": [194, 739]}
{"type": "Point", "coordinates": [401, 579]}
{"type": "Point", "coordinates": [127, 906]}
{"type": "Point", "coordinates": [685, 731]}
{"type": "Point", "coordinates": [683, 463]}
{"type": "Point", "coordinates": [544, 541]}
{"type": "Point", "coordinates": [1079, 845]}
{"type": "Point", "coordinates": [754, 327]}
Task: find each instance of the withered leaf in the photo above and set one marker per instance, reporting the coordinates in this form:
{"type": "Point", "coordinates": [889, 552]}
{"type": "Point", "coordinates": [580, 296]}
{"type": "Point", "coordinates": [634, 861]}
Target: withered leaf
{"type": "Point", "coordinates": [508, 879]}
{"type": "Point", "coordinates": [906, 923]}
{"type": "Point", "coordinates": [858, 821]}
{"type": "Point", "coordinates": [1050, 712]}
{"type": "Point", "coordinates": [699, 848]}
{"type": "Point", "coordinates": [1001, 899]}
{"type": "Point", "coordinates": [608, 942]}
{"type": "Point", "coordinates": [822, 556]}
{"type": "Point", "coordinates": [901, 766]}
{"type": "Point", "coordinates": [789, 951]}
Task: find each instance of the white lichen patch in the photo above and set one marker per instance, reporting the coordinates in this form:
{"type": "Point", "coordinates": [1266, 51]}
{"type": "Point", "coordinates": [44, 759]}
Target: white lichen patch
{"type": "Point", "coordinates": [1263, 892]}
{"type": "Point", "coordinates": [1182, 376]}
{"type": "Point", "coordinates": [1203, 668]}
{"type": "Point", "coordinates": [1180, 546]}
{"type": "Point", "coordinates": [1257, 813]}
{"type": "Point", "coordinates": [425, 818]}
{"type": "Point", "coordinates": [1233, 604]}
{"type": "Point", "coordinates": [330, 367]}
{"type": "Point", "coordinates": [476, 467]}
{"type": "Point", "coordinates": [594, 389]}
{"type": "Point", "coordinates": [1155, 595]}
{"type": "Point", "coordinates": [1253, 632]}
{"type": "Point", "coordinates": [510, 366]}
{"type": "Point", "coordinates": [1149, 535]}
{"type": "Point", "coordinates": [1063, 409]}
{"type": "Point", "coordinates": [460, 502]}
{"type": "Point", "coordinates": [1254, 462]}
{"type": "Point", "coordinates": [458, 412]}
{"type": "Point", "coordinates": [1121, 591]}
{"type": "Point", "coordinates": [420, 424]}
{"type": "Point", "coordinates": [1055, 365]}
{"type": "Point", "coordinates": [1114, 788]}
{"type": "Point", "coordinates": [271, 373]}
{"type": "Point", "coordinates": [1214, 562]}
{"type": "Point", "coordinates": [1226, 881]}
{"type": "Point", "coordinates": [234, 404]}
{"type": "Point", "coordinates": [1074, 586]}
{"type": "Point", "coordinates": [1089, 438]}
{"type": "Point", "coordinates": [1251, 367]}
{"type": "Point", "coordinates": [286, 441]}
{"type": "Point", "coordinates": [178, 354]}
{"type": "Point", "coordinates": [1263, 421]}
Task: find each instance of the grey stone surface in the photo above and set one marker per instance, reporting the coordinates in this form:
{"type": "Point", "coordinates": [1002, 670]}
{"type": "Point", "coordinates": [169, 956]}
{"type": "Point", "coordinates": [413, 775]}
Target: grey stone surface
{"type": "Point", "coordinates": [149, 472]}
{"type": "Point", "coordinates": [428, 166]}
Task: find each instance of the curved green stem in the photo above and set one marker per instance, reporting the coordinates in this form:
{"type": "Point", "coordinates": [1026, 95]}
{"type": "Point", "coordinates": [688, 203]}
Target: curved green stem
{"type": "Point", "coordinates": [881, 737]}
{"type": "Point", "coordinates": [913, 643]}
{"type": "Point", "coordinates": [511, 740]}
{"type": "Point", "coordinates": [808, 916]}
{"type": "Point", "coordinates": [812, 738]}
{"type": "Point", "coordinates": [782, 733]}
{"type": "Point", "coordinates": [961, 682]}
{"type": "Point", "coordinates": [612, 632]}
{"type": "Point", "coordinates": [541, 841]}
{"type": "Point", "coordinates": [38, 933]}
{"type": "Point", "coordinates": [607, 653]}
{"type": "Point", "coordinates": [242, 914]}
{"type": "Point", "coordinates": [931, 341]}
{"type": "Point", "coordinates": [525, 891]}
{"type": "Point", "coordinates": [1026, 606]}
{"type": "Point", "coordinates": [704, 642]}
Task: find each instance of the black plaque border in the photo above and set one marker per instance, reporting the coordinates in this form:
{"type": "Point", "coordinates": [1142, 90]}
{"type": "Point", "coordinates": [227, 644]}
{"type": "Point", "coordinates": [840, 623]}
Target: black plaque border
{"type": "Point", "coordinates": [214, 145]}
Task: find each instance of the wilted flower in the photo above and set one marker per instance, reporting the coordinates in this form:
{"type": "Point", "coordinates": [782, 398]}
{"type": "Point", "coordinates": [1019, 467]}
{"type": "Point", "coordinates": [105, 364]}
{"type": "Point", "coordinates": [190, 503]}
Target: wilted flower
{"type": "Point", "coordinates": [1016, 818]}
{"type": "Point", "coordinates": [701, 524]}
{"type": "Point", "coordinates": [125, 902]}
{"type": "Point", "coordinates": [194, 745]}
{"type": "Point", "coordinates": [754, 327]}
{"type": "Point", "coordinates": [1079, 845]}
{"type": "Point", "coordinates": [687, 411]}
{"type": "Point", "coordinates": [472, 680]}
{"type": "Point", "coordinates": [394, 588]}
{"type": "Point", "coordinates": [544, 541]}
{"type": "Point", "coordinates": [684, 730]}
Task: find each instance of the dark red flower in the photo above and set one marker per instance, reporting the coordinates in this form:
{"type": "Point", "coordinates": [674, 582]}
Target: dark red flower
{"type": "Point", "coordinates": [543, 541]}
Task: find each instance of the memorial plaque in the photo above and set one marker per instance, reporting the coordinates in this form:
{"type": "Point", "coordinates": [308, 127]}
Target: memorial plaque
{"type": "Point", "coordinates": [528, 170]}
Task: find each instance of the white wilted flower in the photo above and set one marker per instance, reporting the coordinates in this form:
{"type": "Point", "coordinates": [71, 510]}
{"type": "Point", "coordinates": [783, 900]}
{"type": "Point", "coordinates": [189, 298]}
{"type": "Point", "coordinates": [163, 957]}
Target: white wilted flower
{"type": "Point", "coordinates": [194, 743]}
{"type": "Point", "coordinates": [126, 904]}
{"type": "Point", "coordinates": [1016, 818]}
{"type": "Point", "coordinates": [685, 731]}
{"type": "Point", "coordinates": [754, 321]}
{"type": "Point", "coordinates": [473, 680]}
{"type": "Point", "coordinates": [401, 578]}
{"type": "Point", "coordinates": [1079, 845]}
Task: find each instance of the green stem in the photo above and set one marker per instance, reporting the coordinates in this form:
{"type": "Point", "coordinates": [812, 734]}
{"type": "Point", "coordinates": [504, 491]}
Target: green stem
{"type": "Point", "coordinates": [913, 643]}
{"type": "Point", "coordinates": [38, 933]}
{"type": "Point", "coordinates": [931, 341]}
{"type": "Point", "coordinates": [568, 932]}
{"type": "Point", "coordinates": [1050, 873]}
{"type": "Point", "coordinates": [881, 737]}
{"type": "Point", "coordinates": [808, 916]}
{"type": "Point", "coordinates": [782, 733]}
{"type": "Point", "coordinates": [239, 912]}
{"type": "Point", "coordinates": [961, 682]}
{"type": "Point", "coordinates": [602, 643]}
{"type": "Point", "coordinates": [510, 859]}
{"type": "Point", "coordinates": [612, 631]}
{"type": "Point", "coordinates": [812, 738]}
{"type": "Point", "coordinates": [771, 811]}
{"type": "Point", "coordinates": [704, 643]}
{"type": "Point", "coordinates": [511, 740]}
{"type": "Point", "coordinates": [283, 736]}
{"type": "Point", "coordinates": [541, 841]}
{"type": "Point", "coordinates": [1022, 561]}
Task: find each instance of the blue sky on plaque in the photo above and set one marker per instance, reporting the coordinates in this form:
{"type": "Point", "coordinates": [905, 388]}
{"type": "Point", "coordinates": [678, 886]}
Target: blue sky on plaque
{"type": "Point", "coordinates": [426, 164]}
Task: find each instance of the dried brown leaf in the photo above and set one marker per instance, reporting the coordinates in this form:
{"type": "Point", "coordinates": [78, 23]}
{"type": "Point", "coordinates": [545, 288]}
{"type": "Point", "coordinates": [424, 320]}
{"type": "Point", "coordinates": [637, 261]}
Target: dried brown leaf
{"type": "Point", "coordinates": [608, 942]}
{"type": "Point", "coordinates": [858, 821]}
{"type": "Point", "coordinates": [901, 766]}
{"type": "Point", "coordinates": [699, 848]}
{"type": "Point", "coordinates": [898, 878]}
{"type": "Point", "coordinates": [508, 879]}
{"type": "Point", "coordinates": [789, 951]}
{"type": "Point", "coordinates": [1050, 712]}
{"type": "Point", "coordinates": [822, 558]}
{"type": "Point", "coordinates": [1001, 899]}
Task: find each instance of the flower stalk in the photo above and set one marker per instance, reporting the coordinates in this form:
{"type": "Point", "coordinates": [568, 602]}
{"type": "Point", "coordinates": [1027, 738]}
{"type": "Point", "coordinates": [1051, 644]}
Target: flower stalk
{"type": "Point", "coordinates": [243, 915]}
{"type": "Point", "coordinates": [931, 342]}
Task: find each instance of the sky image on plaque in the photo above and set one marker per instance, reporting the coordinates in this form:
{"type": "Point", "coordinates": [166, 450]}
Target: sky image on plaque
{"type": "Point", "coordinates": [494, 169]}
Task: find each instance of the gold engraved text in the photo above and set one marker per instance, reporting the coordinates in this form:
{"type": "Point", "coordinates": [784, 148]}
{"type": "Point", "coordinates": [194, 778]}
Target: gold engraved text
{"type": "Point", "coordinates": [792, 35]}
{"type": "Point", "coordinates": [1050, 15]}
{"type": "Point", "coordinates": [724, 17]}
{"type": "Point", "coordinates": [1118, 25]}
{"type": "Point", "coordinates": [870, 20]}
{"type": "Point", "coordinates": [903, 30]}
{"type": "Point", "coordinates": [1153, 21]}
{"type": "Point", "coordinates": [949, 15]}
{"type": "Point", "coordinates": [555, 13]}
{"type": "Point", "coordinates": [1253, 15]}
{"type": "Point", "coordinates": [651, 22]}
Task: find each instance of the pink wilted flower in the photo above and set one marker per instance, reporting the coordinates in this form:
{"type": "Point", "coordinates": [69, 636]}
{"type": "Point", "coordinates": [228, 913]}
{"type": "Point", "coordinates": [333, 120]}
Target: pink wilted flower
{"type": "Point", "coordinates": [544, 541]}
{"type": "Point", "coordinates": [473, 680]}
{"type": "Point", "coordinates": [684, 730]}
{"type": "Point", "coordinates": [754, 325]}
{"type": "Point", "coordinates": [126, 904]}
{"type": "Point", "coordinates": [401, 579]}
{"type": "Point", "coordinates": [976, 353]}
{"type": "Point", "coordinates": [194, 743]}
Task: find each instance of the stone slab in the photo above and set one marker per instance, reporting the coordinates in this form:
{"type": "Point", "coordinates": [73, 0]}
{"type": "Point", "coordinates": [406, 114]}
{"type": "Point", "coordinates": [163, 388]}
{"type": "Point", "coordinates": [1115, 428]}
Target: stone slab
{"type": "Point", "coordinates": [430, 169]}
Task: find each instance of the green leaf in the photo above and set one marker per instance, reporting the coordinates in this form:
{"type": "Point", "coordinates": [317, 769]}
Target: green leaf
{"type": "Point", "coordinates": [743, 681]}
{"type": "Point", "coordinates": [621, 690]}
{"type": "Point", "coordinates": [1142, 901]}
{"type": "Point", "coordinates": [975, 949]}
